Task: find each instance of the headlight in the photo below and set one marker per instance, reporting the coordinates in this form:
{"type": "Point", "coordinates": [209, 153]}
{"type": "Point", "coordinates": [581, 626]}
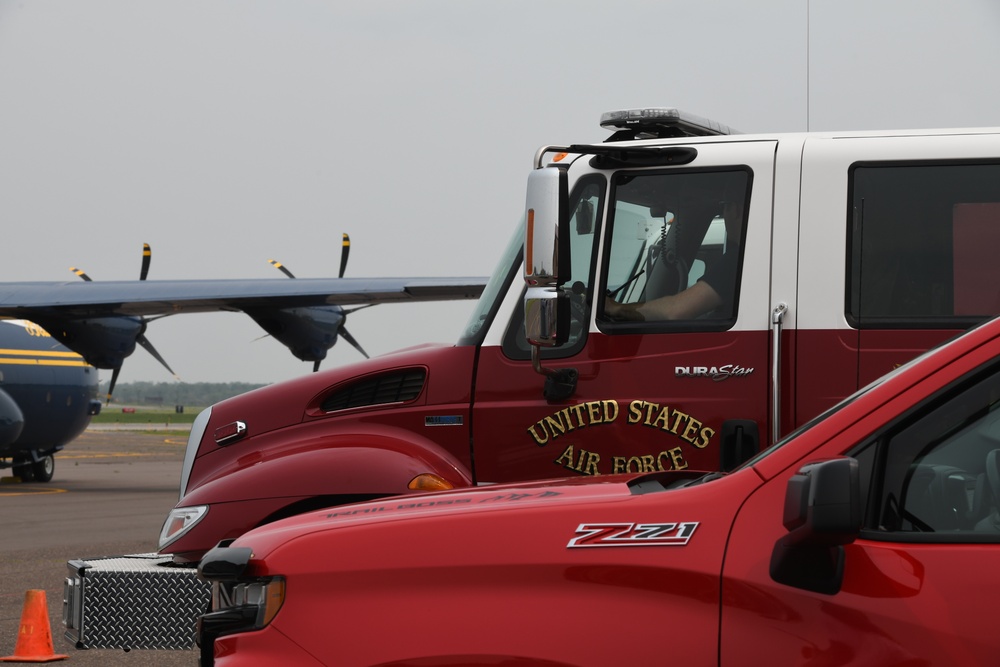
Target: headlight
{"type": "Point", "coordinates": [179, 521]}
{"type": "Point", "coordinates": [240, 603]}
{"type": "Point", "coordinates": [258, 601]}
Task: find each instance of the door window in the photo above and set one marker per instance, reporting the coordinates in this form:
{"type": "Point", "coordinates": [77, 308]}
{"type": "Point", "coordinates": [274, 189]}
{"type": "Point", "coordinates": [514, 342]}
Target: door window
{"type": "Point", "coordinates": [675, 248]}
{"type": "Point", "coordinates": [936, 476]}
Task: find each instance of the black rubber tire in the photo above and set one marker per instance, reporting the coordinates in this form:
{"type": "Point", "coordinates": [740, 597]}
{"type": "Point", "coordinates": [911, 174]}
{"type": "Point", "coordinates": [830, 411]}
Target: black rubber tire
{"type": "Point", "coordinates": [44, 469]}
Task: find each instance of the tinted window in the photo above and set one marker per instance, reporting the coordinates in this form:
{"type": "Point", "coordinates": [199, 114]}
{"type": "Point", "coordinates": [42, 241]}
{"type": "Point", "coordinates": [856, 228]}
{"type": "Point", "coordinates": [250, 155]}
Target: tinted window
{"type": "Point", "coordinates": [936, 475]}
{"type": "Point", "coordinates": [672, 235]}
{"type": "Point", "coordinates": [923, 242]}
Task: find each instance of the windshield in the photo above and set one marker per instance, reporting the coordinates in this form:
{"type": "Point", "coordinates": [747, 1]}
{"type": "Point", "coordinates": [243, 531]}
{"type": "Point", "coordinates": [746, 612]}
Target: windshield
{"type": "Point", "coordinates": [489, 302]}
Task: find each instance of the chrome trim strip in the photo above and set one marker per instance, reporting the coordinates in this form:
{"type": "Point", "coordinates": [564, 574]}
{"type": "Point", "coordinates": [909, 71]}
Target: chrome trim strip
{"type": "Point", "coordinates": [777, 317]}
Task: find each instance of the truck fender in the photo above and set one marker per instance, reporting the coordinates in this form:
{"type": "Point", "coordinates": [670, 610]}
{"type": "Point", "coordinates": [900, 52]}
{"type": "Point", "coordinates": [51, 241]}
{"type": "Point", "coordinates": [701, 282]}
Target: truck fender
{"type": "Point", "coordinates": [369, 466]}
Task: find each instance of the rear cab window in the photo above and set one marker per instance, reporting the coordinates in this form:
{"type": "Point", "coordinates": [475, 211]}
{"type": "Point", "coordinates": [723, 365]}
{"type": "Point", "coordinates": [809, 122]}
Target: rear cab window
{"type": "Point", "coordinates": [922, 244]}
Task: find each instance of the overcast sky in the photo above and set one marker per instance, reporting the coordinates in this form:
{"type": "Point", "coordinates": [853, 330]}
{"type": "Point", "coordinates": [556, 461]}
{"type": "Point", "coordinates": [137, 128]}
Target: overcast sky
{"type": "Point", "coordinates": [228, 132]}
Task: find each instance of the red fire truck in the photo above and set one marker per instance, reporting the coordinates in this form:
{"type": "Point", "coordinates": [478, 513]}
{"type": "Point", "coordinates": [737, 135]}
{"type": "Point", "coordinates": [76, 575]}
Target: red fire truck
{"type": "Point", "coordinates": [865, 538]}
{"type": "Point", "coordinates": [676, 298]}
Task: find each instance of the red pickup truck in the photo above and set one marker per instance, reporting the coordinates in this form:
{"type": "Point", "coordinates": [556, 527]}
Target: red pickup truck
{"type": "Point", "coordinates": [866, 537]}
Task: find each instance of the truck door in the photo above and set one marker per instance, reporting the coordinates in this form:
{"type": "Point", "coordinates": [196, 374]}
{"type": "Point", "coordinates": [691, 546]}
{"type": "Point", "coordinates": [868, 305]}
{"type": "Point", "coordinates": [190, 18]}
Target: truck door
{"type": "Point", "coordinates": [901, 231]}
{"type": "Point", "coordinates": [660, 392]}
{"type": "Point", "coordinates": [917, 586]}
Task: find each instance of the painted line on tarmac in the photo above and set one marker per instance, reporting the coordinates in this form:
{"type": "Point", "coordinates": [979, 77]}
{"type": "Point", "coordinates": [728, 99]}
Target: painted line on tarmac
{"type": "Point", "coordinates": [104, 455]}
{"type": "Point", "coordinates": [27, 490]}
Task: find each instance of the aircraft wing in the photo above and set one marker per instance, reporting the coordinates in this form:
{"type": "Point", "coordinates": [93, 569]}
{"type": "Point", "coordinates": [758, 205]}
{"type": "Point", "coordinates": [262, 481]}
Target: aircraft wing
{"type": "Point", "coordinates": [145, 298]}
{"type": "Point", "coordinates": [105, 321]}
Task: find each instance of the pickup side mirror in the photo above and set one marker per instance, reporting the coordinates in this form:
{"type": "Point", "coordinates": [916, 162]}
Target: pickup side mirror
{"type": "Point", "coordinates": [822, 513]}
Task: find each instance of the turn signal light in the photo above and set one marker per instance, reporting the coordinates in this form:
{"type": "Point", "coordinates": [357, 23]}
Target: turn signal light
{"type": "Point", "coordinates": [429, 482]}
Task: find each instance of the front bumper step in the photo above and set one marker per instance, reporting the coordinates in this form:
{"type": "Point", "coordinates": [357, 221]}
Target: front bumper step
{"type": "Point", "coordinates": [138, 601]}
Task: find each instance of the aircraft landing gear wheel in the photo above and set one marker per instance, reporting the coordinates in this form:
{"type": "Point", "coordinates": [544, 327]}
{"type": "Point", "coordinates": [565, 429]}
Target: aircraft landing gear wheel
{"type": "Point", "coordinates": [24, 472]}
{"type": "Point", "coordinates": [44, 469]}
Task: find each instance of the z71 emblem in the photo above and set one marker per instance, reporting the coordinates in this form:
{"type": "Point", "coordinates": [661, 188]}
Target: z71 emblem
{"type": "Point", "coordinates": [633, 534]}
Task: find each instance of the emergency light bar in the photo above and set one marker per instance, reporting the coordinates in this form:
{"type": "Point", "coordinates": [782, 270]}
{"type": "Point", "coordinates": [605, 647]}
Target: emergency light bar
{"type": "Point", "coordinates": [660, 122]}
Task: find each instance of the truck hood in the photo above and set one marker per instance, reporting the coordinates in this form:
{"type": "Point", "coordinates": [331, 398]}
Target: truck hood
{"type": "Point", "coordinates": [492, 498]}
{"type": "Point", "coordinates": [285, 403]}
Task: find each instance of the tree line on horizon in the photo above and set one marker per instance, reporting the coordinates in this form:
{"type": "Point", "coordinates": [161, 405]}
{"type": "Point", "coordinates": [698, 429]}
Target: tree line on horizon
{"type": "Point", "coordinates": [176, 393]}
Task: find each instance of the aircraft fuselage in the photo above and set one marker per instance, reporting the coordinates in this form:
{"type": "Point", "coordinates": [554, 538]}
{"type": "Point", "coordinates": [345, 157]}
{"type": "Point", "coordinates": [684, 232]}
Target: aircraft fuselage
{"type": "Point", "coordinates": [46, 387]}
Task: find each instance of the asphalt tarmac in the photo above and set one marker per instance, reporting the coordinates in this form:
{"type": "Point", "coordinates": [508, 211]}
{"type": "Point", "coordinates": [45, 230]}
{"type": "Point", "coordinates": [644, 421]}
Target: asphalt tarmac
{"type": "Point", "coordinates": [109, 495]}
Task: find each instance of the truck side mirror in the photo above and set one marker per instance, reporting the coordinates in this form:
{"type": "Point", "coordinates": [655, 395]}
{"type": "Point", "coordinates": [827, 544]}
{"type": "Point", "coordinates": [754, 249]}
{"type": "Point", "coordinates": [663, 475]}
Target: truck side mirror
{"type": "Point", "coordinates": [546, 269]}
{"type": "Point", "coordinates": [546, 260]}
{"type": "Point", "coordinates": [822, 513]}
{"type": "Point", "coordinates": [546, 251]}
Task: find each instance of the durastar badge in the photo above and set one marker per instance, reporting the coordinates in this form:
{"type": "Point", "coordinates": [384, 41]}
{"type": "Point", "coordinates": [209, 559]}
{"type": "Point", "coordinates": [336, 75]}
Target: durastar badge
{"type": "Point", "coordinates": [717, 373]}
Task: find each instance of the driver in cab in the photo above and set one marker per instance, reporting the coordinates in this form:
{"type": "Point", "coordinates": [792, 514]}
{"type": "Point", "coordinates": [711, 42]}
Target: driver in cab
{"type": "Point", "coordinates": [714, 289]}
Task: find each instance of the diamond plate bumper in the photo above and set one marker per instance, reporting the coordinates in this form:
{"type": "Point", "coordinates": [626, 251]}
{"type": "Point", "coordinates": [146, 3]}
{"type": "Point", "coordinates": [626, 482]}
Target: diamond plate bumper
{"type": "Point", "coordinates": [139, 601]}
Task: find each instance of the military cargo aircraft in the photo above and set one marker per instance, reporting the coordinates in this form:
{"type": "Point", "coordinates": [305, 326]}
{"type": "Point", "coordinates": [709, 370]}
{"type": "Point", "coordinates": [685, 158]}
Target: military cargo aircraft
{"type": "Point", "coordinates": [63, 331]}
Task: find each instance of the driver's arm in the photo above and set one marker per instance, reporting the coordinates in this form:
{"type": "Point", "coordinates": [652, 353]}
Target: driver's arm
{"type": "Point", "coordinates": [696, 300]}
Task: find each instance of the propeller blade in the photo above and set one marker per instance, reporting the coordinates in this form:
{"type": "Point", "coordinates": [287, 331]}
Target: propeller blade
{"type": "Point", "coordinates": [281, 267]}
{"type": "Point", "coordinates": [144, 342]}
{"type": "Point", "coordinates": [80, 273]}
{"type": "Point", "coordinates": [147, 255]}
{"type": "Point", "coordinates": [114, 380]}
{"type": "Point", "coordinates": [345, 334]}
{"type": "Point", "coordinates": [345, 250]}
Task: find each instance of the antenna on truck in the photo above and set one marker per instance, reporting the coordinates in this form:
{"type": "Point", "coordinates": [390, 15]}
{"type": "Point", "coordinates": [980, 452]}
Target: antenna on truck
{"type": "Point", "coordinates": [659, 123]}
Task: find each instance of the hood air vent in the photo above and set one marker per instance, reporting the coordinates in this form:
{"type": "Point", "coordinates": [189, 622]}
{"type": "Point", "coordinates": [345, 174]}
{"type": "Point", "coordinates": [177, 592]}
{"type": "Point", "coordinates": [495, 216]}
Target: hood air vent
{"type": "Point", "coordinates": [391, 388]}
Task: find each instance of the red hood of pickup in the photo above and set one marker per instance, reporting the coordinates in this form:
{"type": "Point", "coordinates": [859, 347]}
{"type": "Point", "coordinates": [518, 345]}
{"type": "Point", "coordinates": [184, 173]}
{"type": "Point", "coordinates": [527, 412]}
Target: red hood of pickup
{"type": "Point", "coordinates": [494, 498]}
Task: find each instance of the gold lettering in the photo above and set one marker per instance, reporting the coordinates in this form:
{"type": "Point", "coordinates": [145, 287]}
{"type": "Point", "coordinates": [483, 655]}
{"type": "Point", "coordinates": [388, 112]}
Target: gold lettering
{"type": "Point", "coordinates": [554, 424]}
{"type": "Point", "coordinates": [539, 441]}
{"type": "Point", "coordinates": [678, 416]}
{"type": "Point", "coordinates": [617, 464]}
{"type": "Point", "coordinates": [705, 435]}
{"type": "Point", "coordinates": [648, 463]}
{"type": "Point", "coordinates": [635, 411]}
{"type": "Point", "coordinates": [663, 419]}
{"type": "Point", "coordinates": [610, 410]}
{"type": "Point", "coordinates": [578, 411]}
{"type": "Point", "coordinates": [569, 419]}
{"type": "Point", "coordinates": [677, 456]}
{"type": "Point", "coordinates": [593, 458]}
{"type": "Point", "coordinates": [691, 430]}
{"type": "Point", "coordinates": [566, 458]}
{"type": "Point", "coordinates": [649, 411]}
{"type": "Point", "coordinates": [594, 411]}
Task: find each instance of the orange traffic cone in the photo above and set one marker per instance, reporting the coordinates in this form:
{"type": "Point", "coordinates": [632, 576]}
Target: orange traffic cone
{"type": "Point", "coordinates": [34, 639]}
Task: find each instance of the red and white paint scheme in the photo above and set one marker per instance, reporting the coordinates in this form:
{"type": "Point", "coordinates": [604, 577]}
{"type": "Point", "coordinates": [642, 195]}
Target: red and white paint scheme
{"type": "Point", "coordinates": [865, 538]}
